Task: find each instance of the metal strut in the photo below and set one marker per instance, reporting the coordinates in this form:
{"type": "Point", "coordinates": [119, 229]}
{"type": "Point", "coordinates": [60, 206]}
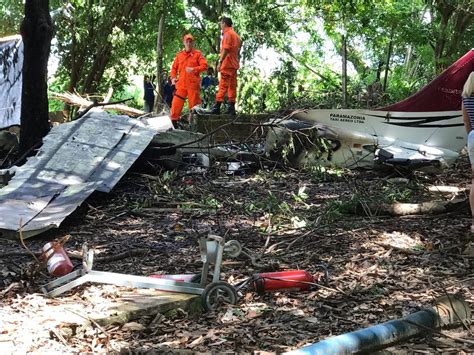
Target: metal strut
{"type": "Point", "coordinates": [211, 248]}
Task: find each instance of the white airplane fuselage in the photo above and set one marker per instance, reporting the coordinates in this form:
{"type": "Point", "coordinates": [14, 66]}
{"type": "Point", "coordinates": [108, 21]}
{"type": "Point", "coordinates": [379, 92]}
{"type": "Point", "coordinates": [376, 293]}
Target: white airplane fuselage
{"type": "Point", "coordinates": [407, 135]}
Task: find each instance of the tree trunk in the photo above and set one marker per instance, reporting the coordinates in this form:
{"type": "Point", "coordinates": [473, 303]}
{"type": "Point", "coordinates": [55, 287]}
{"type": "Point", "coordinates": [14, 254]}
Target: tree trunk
{"type": "Point", "coordinates": [78, 53]}
{"type": "Point", "coordinates": [408, 58]}
{"type": "Point", "coordinates": [344, 72]}
{"type": "Point", "coordinates": [37, 31]}
{"type": "Point", "coordinates": [75, 70]}
{"type": "Point", "coordinates": [101, 59]}
{"type": "Point", "coordinates": [378, 74]}
{"type": "Point", "coordinates": [100, 44]}
{"type": "Point", "coordinates": [159, 61]}
{"type": "Point", "coordinates": [387, 65]}
{"type": "Point", "coordinates": [218, 39]}
{"type": "Point", "coordinates": [453, 19]}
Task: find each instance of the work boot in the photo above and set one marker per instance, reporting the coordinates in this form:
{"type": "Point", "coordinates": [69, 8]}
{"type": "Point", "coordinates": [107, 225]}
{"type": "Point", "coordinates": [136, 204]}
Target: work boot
{"type": "Point", "coordinates": [216, 109]}
{"type": "Point", "coordinates": [231, 109]}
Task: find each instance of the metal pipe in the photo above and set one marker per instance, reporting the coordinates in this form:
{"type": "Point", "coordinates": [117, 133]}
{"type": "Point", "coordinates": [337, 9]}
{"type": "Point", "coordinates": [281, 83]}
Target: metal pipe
{"type": "Point", "coordinates": [449, 310]}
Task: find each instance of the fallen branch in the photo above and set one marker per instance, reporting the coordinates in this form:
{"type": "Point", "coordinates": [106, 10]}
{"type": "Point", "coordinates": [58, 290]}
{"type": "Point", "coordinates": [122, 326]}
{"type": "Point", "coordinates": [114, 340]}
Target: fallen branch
{"type": "Point", "coordinates": [76, 100]}
{"type": "Point", "coordinates": [24, 245]}
{"type": "Point", "coordinates": [304, 235]}
{"type": "Point", "coordinates": [447, 189]}
{"type": "Point", "coordinates": [99, 104]}
{"type": "Point", "coordinates": [58, 335]}
{"type": "Point", "coordinates": [405, 209]}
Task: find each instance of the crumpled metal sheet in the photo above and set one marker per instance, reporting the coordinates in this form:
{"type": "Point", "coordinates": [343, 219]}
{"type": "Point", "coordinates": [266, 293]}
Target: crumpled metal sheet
{"type": "Point", "coordinates": [77, 158]}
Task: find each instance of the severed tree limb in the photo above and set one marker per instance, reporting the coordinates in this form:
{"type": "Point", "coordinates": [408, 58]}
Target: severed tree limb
{"type": "Point", "coordinates": [24, 245]}
{"type": "Point", "coordinates": [77, 100]}
{"type": "Point", "coordinates": [97, 104]}
{"type": "Point", "coordinates": [405, 209]}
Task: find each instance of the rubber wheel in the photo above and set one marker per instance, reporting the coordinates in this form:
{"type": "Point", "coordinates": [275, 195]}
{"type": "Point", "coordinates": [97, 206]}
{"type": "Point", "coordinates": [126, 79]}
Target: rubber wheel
{"type": "Point", "coordinates": [218, 293]}
{"type": "Point", "coordinates": [233, 248]}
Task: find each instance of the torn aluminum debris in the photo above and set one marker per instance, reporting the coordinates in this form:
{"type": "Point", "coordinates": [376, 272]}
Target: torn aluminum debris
{"type": "Point", "coordinates": [76, 158]}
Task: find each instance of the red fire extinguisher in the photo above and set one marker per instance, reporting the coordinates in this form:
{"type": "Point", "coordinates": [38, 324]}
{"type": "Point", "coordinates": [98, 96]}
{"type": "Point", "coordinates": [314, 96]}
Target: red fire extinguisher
{"type": "Point", "coordinates": [58, 263]}
{"type": "Point", "coordinates": [292, 280]}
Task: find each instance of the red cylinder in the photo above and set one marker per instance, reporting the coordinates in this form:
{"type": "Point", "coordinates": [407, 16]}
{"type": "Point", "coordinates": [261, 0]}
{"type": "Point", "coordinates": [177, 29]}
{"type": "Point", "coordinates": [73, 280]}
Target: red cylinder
{"type": "Point", "coordinates": [58, 263]}
{"type": "Point", "coordinates": [292, 280]}
{"type": "Point", "coordinates": [181, 277]}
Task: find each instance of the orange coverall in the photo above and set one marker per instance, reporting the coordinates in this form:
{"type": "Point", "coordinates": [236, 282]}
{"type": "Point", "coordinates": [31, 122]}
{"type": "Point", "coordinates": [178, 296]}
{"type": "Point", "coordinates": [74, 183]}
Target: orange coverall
{"type": "Point", "coordinates": [230, 65]}
{"type": "Point", "coordinates": [188, 84]}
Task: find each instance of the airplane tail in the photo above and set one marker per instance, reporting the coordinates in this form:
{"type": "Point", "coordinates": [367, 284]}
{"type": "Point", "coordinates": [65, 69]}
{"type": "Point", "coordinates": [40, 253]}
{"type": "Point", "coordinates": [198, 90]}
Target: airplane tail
{"type": "Point", "coordinates": [441, 94]}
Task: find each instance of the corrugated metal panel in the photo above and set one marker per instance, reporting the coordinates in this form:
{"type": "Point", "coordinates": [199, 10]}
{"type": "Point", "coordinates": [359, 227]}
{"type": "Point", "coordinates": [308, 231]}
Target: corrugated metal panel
{"type": "Point", "coordinates": [76, 158]}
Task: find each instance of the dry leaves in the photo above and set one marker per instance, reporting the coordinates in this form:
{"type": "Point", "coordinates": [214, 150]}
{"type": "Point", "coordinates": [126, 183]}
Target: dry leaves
{"type": "Point", "coordinates": [380, 268]}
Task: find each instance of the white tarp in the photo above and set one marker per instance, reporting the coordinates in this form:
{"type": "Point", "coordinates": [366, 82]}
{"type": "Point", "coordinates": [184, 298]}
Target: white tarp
{"type": "Point", "coordinates": [11, 65]}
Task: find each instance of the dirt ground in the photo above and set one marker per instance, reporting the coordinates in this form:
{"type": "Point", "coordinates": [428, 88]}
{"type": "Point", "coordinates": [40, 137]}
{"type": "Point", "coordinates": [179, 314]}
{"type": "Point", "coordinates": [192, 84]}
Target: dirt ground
{"type": "Point", "coordinates": [380, 267]}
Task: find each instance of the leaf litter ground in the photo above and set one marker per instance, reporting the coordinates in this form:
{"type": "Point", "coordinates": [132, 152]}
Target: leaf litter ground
{"type": "Point", "coordinates": [380, 267]}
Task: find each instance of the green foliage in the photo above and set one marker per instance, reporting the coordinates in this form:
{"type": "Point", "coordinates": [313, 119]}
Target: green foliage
{"type": "Point", "coordinates": [164, 182]}
{"type": "Point", "coordinates": [103, 44]}
{"type": "Point", "coordinates": [212, 202]}
{"type": "Point", "coordinates": [161, 186]}
{"type": "Point", "coordinates": [140, 203]}
{"type": "Point", "coordinates": [333, 210]}
{"type": "Point", "coordinates": [54, 105]}
{"type": "Point", "coordinates": [278, 211]}
{"type": "Point", "coordinates": [337, 208]}
{"type": "Point", "coordinates": [450, 30]}
{"type": "Point", "coordinates": [256, 95]}
{"type": "Point", "coordinates": [296, 148]}
{"type": "Point", "coordinates": [362, 198]}
{"type": "Point", "coordinates": [285, 80]}
{"type": "Point", "coordinates": [398, 193]}
{"type": "Point", "coordinates": [318, 173]}
{"type": "Point", "coordinates": [270, 204]}
{"type": "Point", "coordinates": [271, 27]}
{"type": "Point", "coordinates": [301, 195]}
{"type": "Point", "coordinates": [11, 13]}
{"type": "Point", "coordinates": [130, 92]}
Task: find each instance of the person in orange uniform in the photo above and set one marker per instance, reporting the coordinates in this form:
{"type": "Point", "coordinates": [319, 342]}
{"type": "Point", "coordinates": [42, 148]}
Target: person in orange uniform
{"type": "Point", "coordinates": [185, 74]}
{"type": "Point", "coordinates": [227, 67]}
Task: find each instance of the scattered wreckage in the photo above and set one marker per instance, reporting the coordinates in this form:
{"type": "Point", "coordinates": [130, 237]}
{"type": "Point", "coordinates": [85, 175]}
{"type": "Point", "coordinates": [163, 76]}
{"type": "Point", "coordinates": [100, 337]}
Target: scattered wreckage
{"type": "Point", "coordinates": [449, 311]}
{"type": "Point", "coordinates": [76, 158]}
{"type": "Point", "coordinates": [425, 129]}
{"type": "Point", "coordinates": [91, 154]}
{"type": "Point", "coordinates": [208, 285]}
